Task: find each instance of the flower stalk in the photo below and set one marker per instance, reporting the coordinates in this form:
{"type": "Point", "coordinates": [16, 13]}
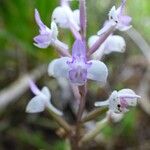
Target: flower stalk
{"type": "Point", "coordinates": [93, 133]}
{"type": "Point", "coordinates": [61, 121]}
{"type": "Point", "coordinates": [83, 20]}
{"type": "Point", "coordinates": [94, 114]}
{"type": "Point", "coordinates": [101, 39]}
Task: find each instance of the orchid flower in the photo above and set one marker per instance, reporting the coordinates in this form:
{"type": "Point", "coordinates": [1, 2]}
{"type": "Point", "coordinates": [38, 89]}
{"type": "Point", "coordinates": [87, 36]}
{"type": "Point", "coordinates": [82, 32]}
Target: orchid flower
{"type": "Point", "coordinates": [122, 21]}
{"type": "Point", "coordinates": [47, 36]}
{"type": "Point", "coordinates": [119, 102]}
{"type": "Point", "coordinates": [65, 17]}
{"type": "Point", "coordinates": [40, 101]}
{"type": "Point", "coordinates": [113, 43]}
{"type": "Point", "coordinates": [77, 69]}
{"type": "Point", "coordinates": [117, 19]}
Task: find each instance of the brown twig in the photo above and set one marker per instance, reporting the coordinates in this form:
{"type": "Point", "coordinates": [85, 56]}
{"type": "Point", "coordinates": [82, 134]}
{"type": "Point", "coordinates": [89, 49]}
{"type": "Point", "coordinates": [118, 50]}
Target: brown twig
{"type": "Point", "coordinates": [16, 89]}
{"type": "Point", "coordinates": [94, 114]}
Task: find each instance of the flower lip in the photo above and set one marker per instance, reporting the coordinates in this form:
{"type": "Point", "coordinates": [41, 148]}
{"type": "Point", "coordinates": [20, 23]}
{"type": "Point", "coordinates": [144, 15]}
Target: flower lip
{"type": "Point", "coordinates": [77, 69]}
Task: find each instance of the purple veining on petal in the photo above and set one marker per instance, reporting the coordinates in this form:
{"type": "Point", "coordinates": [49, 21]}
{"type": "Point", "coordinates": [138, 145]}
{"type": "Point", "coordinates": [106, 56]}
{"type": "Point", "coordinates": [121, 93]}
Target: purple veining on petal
{"type": "Point", "coordinates": [78, 75]}
{"type": "Point", "coordinates": [78, 65]}
{"type": "Point", "coordinates": [79, 49]}
{"type": "Point", "coordinates": [34, 88]}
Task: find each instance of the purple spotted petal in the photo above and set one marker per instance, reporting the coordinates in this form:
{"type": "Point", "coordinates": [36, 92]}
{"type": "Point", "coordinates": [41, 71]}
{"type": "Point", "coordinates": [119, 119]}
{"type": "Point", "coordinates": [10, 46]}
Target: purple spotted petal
{"type": "Point", "coordinates": [78, 66]}
{"type": "Point", "coordinates": [123, 103]}
{"type": "Point", "coordinates": [78, 76]}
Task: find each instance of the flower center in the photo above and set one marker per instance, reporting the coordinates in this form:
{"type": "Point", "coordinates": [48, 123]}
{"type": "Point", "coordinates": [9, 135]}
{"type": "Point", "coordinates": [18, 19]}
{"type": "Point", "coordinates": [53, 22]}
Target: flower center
{"type": "Point", "coordinates": [78, 75]}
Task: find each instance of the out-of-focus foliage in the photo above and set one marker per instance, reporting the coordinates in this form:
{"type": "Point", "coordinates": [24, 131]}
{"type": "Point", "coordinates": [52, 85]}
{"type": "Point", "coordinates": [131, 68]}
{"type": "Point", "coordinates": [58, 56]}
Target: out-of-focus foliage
{"type": "Point", "coordinates": [141, 12]}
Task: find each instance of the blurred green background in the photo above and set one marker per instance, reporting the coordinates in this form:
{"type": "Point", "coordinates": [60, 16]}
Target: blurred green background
{"type": "Point", "coordinates": [18, 56]}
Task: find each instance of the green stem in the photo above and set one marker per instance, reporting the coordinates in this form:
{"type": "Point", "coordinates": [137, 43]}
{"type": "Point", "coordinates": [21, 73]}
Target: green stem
{"type": "Point", "coordinates": [94, 114]}
{"type": "Point", "coordinates": [60, 121]}
{"type": "Point", "coordinates": [93, 133]}
{"type": "Point", "coordinates": [82, 91]}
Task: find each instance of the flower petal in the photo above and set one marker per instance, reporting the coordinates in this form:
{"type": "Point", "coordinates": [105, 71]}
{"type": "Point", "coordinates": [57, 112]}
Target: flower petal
{"type": "Point", "coordinates": [99, 52]}
{"type": "Point", "coordinates": [38, 20]}
{"type": "Point", "coordinates": [44, 39]}
{"type": "Point", "coordinates": [51, 67]}
{"type": "Point", "coordinates": [60, 17]}
{"type": "Point", "coordinates": [126, 20]}
{"type": "Point", "coordinates": [64, 2]}
{"type": "Point", "coordinates": [122, 27]}
{"type": "Point", "coordinates": [59, 67]}
{"type": "Point", "coordinates": [128, 95]}
{"type": "Point", "coordinates": [36, 105]}
{"type": "Point", "coordinates": [113, 14]}
{"type": "Point", "coordinates": [54, 30]}
{"type": "Point", "coordinates": [115, 117]}
{"type": "Point", "coordinates": [43, 28]}
{"type": "Point", "coordinates": [41, 45]}
{"type": "Point", "coordinates": [92, 40]}
{"type": "Point", "coordinates": [113, 102]}
{"type": "Point", "coordinates": [114, 43]}
{"type": "Point", "coordinates": [76, 15]}
{"type": "Point", "coordinates": [46, 92]}
{"type": "Point", "coordinates": [102, 103]}
{"type": "Point", "coordinates": [97, 71]}
{"type": "Point", "coordinates": [78, 76]}
{"type": "Point", "coordinates": [79, 49]}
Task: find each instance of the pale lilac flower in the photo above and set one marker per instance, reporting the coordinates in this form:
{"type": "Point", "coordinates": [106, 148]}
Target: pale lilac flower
{"type": "Point", "coordinates": [66, 18]}
{"type": "Point", "coordinates": [77, 69]}
{"type": "Point", "coordinates": [117, 19]}
{"type": "Point", "coordinates": [47, 36]}
{"type": "Point", "coordinates": [113, 43]}
{"type": "Point", "coordinates": [122, 21]}
{"type": "Point", "coordinates": [119, 102]}
{"type": "Point", "coordinates": [40, 101]}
